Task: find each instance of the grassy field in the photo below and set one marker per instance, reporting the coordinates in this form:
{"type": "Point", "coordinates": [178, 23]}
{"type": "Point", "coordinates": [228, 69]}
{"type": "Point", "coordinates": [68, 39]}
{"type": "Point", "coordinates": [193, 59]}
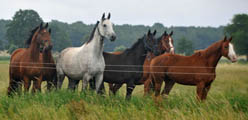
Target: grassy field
{"type": "Point", "coordinates": [227, 99]}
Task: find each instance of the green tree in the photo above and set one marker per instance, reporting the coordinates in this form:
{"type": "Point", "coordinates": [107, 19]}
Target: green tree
{"type": "Point", "coordinates": [238, 29]}
{"type": "Point", "coordinates": [119, 48]}
{"type": "Point", "coordinates": [185, 46]}
{"type": "Point", "coordinates": [18, 30]}
{"type": "Point", "coordinates": [3, 29]}
{"type": "Point", "coordinates": [60, 37]}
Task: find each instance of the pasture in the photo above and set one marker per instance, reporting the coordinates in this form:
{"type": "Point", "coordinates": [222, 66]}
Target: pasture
{"type": "Point", "coordinates": [227, 99]}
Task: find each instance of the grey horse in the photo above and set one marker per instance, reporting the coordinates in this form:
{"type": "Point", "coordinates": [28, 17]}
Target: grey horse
{"type": "Point", "coordinates": [86, 62]}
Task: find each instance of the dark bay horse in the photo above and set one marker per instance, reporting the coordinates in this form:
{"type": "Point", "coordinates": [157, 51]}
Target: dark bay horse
{"type": "Point", "coordinates": [127, 73]}
{"type": "Point", "coordinates": [49, 69]}
{"type": "Point", "coordinates": [25, 63]}
{"type": "Point", "coordinates": [198, 70]}
{"type": "Point", "coordinates": [165, 45]}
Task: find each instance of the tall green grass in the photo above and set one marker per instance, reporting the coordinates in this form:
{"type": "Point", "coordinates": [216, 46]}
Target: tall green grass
{"type": "Point", "coordinates": [227, 99]}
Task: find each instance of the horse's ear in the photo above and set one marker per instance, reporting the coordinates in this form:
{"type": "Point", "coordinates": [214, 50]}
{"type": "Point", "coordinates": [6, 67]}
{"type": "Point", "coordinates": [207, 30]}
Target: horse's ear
{"type": "Point", "coordinates": [46, 25]}
{"type": "Point", "coordinates": [41, 25]}
{"type": "Point", "coordinates": [225, 39]}
{"type": "Point", "coordinates": [103, 16]}
{"type": "Point", "coordinates": [171, 33]}
{"type": "Point", "coordinates": [165, 33]}
{"type": "Point", "coordinates": [109, 15]}
{"type": "Point", "coordinates": [149, 32]}
{"type": "Point", "coordinates": [50, 30]}
{"type": "Point", "coordinates": [154, 33]}
{"type": "Point", "coordinates": [230, 39]}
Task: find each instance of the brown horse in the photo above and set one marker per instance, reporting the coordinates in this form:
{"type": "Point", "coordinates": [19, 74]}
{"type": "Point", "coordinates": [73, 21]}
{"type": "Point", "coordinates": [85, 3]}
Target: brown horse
{"type": "Point", "coordinates": [197, 70]}
{"type": "Point", "coordinates": [25, 63]}
{"type": "Point", "coordinates": [165, 45]}
{"type": "Point", "coordinates": [49, 70]}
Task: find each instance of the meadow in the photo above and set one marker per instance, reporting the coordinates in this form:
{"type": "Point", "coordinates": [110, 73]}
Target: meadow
{"type": "Point", "coordinates": [227, 99]}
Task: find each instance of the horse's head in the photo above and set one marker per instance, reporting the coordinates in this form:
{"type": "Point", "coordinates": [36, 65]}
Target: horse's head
{"type": "Point", "coordinates": [166, 43]}
{"type": "Point", "coordinates": [44, 38]}
{"type": "Point", "coordinates": [105, 28]}
{"type": "Point", "coordinates": [41, 37]}
{"type": "Point", "coordinates": [227, 49]}
{"type": "Point", "coordinates": [150, 42]}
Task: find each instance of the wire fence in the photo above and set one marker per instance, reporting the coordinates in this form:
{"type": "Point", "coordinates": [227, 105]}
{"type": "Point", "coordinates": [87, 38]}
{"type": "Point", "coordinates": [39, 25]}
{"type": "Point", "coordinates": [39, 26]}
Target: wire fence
{"type": "Point", "coordinates": [121, 68]}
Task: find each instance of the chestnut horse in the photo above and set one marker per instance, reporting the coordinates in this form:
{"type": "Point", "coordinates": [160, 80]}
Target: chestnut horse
{"type": "Point", "coordinates": [197, 70]}
{"type": "Point", "coordinates": [165, 45]}
{"type": "Point", "coordinates": [25, 63]}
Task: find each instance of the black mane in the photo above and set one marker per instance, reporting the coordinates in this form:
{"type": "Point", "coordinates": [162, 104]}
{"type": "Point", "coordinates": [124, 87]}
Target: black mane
{"type": "Point", "coordinates": [28, 42]}
{"type": "Point", "coordinates": [92, 33]}
{"type": "Point", "coordinates": [134, 46]}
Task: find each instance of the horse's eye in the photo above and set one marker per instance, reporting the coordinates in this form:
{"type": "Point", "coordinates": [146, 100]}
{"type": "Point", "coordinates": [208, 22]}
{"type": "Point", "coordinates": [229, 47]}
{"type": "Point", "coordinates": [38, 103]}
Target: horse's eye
{"type": "Point", "coordinates": [226, 47]}
{"type": "Point", "coordinates": [104, 25]}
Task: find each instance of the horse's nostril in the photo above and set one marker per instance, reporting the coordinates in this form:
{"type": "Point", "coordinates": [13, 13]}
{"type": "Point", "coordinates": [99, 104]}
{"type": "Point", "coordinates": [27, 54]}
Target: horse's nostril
{"type": "Point", "coordinates": [113, 37]}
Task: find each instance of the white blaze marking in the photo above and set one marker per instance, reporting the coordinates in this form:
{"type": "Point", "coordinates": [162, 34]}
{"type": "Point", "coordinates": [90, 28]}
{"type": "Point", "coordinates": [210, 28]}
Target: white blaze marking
{"type": "Point", "coordinates": [170, 43]}
{"type": "Point", "coordinates": [231, 52]}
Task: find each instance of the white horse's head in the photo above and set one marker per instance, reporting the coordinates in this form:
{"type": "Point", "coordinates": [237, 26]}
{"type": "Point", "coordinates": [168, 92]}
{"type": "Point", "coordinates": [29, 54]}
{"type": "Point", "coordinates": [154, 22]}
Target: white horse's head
{"type": "Point", "coordinates": [106, 28]}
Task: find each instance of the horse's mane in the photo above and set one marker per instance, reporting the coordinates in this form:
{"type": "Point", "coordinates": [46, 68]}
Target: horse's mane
{"type": "Point", "coordinates": [92, 33]}
{"type": "Point", "coordinates": [29, 40]}
{"type": "Point", "coordinates": [135, 45]}
{"type": "Point", "coordinates": [209, 50]}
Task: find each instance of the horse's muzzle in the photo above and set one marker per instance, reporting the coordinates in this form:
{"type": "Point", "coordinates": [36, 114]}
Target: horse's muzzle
{"type": "Point", "coordinates": [112, 38]}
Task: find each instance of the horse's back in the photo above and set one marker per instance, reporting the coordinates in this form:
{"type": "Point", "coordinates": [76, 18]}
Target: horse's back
{"type": "Point", "coordinates": [183, 69]}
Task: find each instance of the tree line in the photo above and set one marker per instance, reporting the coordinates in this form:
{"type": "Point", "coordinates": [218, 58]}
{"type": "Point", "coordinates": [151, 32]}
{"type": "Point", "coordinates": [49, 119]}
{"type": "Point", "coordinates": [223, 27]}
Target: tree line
{"type": "Point", "coordinates": [14, 32]}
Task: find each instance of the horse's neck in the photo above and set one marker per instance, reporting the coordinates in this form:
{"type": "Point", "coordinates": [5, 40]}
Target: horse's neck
{"type": "Point", "coordinates": [47, 56]}
{"type": "Point", "coordinates": [138, 53]}
{"type": "Point", "coordinates": [96, 44]}
{"type": "Point", "coordinates": [34, 52]}
{"type": "Point", "coordinates": [213, 55]}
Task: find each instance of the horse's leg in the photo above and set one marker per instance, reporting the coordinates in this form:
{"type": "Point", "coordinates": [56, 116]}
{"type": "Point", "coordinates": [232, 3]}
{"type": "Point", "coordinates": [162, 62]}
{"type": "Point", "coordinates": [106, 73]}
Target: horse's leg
{"type": "Point", "coordinates": [168, 86]}
{"type": "Point", "coordinates": [13, 87]}
{"type": "Point", "coordinates": [111, 88]}
{"type": "Point", "coordinates": [93, 84]}
{"type": "Point", "coordinates": [60, 80]}
{"type": "Point", "coordinates": [49, 84]}
{"type": "Point", "coordinates": [99, 83]}
{"type": "Point", "coordinates": [55, 81]}
{"type": "Point", "coordinates": [72, 84]}
{"type": "Point", "coordinates": [130, 88]}
{"type": "Point", "coordinates": [85, 82]}
{"type": "Point", "coordinates": [115, 88]}
{"type": "Point", "coordinates": [147, 85]}
{"type": "Point", "coordinates": [199, 89]}
{"type": "Point", "coordinates": [205, 91]}
{"type": "Point", "coordinates": [37, 84]}
{"type": "Point", "coordinates": [27, 83]}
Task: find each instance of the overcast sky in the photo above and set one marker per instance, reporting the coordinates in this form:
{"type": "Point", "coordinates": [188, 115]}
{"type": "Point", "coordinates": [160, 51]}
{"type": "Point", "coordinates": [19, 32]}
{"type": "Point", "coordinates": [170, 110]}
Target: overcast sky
{"type": "Point", "coordinates": [147, 12]}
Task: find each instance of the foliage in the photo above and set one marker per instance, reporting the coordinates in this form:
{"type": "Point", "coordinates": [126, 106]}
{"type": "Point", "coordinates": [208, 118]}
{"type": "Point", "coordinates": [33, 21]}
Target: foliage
{"type": "Point", "coordinates": [12, 48]}
{"type": "Point", "coordinates": [60, 37]}
{"type": "Point", "coordinates": [185, 46]}
{"type": "Point", "coordinates": [238, 29]}
{"type": "Point", "coordinates": [120, 48]}
{"type": "Point", "coordinates": [18, 30]}
{"type": "Point", "coordinates": [75, 34]}
{"type": "Point", "coordinates": [3, 41]}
